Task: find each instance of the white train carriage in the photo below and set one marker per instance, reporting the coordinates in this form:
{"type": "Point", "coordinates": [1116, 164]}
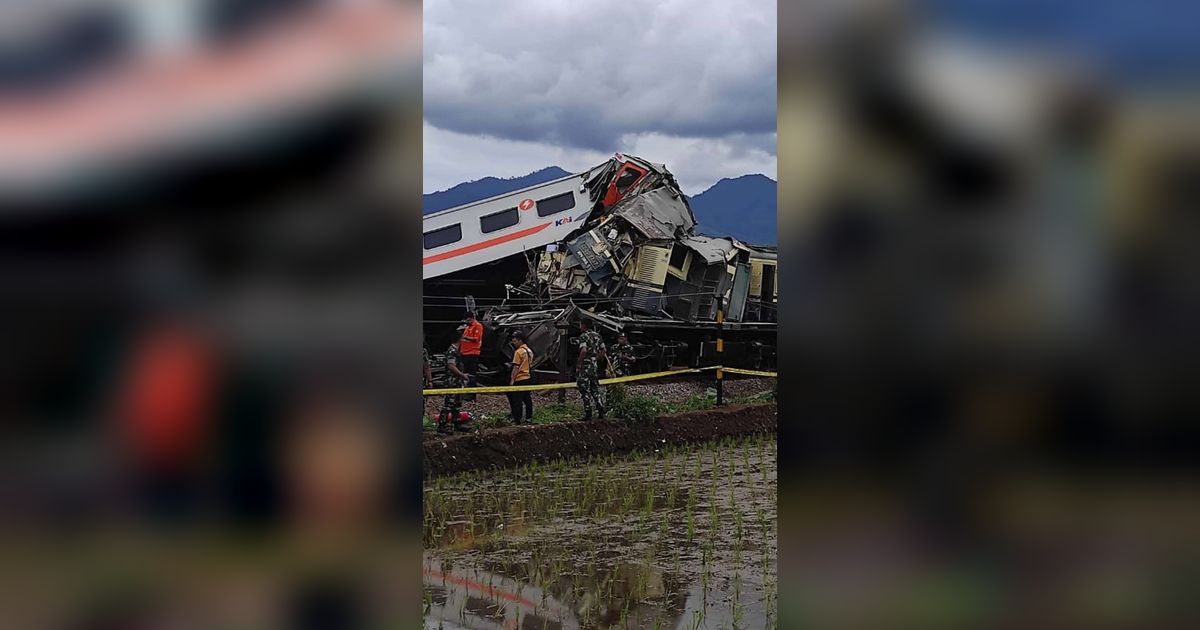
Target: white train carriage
{"type": "Point", "coordinates": [516, 222]}
{"type": "Point", "coordinates": [484, 231]}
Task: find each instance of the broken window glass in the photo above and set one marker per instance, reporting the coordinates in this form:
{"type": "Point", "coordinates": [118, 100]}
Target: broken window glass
{"type": "Point", "coordinates": [626, 179]}
{"type": "Point", "coordinates": [678, 256]}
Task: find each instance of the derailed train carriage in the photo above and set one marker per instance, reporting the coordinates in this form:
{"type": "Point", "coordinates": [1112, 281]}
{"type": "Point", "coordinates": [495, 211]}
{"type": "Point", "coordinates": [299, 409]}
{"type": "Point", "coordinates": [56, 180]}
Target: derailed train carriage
{"type": "Point", "coordinates": [617, 245]}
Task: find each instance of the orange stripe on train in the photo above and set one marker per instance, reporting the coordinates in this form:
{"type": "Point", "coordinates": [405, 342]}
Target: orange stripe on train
{"type": "Point", "coordinates": [484, 244]}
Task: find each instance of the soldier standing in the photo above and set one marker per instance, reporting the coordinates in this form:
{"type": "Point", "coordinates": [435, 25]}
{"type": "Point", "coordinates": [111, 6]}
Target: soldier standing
{"type": "Point", "coordinates": [591, 350]}
{"type": "Point", "coordinates": [451, 403]}
{"type": "Point", "coordinates": [623, 356]}
{"type": "Point", "coordinates": [425, 369]}
{"type": "Point", "coordinates": [427, 375]}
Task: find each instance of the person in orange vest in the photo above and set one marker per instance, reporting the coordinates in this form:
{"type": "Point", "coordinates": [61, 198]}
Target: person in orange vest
{"type": "Point", "coordinates": [471, 345]}
{"type": "Point", "coordinates": [522, 360]}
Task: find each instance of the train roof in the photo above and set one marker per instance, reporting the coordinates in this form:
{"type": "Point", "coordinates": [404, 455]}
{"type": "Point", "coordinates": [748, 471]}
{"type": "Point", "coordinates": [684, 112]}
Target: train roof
{"type": "Point", "coordinates": [511, 193]}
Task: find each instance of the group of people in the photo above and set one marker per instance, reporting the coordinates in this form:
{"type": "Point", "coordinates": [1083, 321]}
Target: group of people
{"type": "Point", "coordinates": [462, 363]}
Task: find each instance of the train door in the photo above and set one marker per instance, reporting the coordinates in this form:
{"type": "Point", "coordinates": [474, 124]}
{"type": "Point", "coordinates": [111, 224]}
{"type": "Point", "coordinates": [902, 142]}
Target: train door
{"type": "Point", "coordinates": [739, 293]}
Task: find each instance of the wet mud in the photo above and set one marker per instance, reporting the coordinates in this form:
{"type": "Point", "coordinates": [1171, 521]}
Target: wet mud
{"type": "Point", "coordinates": [508, 447]}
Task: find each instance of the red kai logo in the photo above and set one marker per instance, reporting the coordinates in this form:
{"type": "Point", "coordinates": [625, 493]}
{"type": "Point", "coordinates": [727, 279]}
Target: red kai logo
{"type": "Point", "coordinates": [526, 204]}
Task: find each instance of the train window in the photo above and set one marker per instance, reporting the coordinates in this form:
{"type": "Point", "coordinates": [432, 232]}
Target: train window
{"type": "Point", "coordinates": [499, 220]}
{"type": "Point", "coordinates": [768, 283]}
{"type": "Point", "coordinates": [443, 236]}
{"type": "Point", "coordinates": [223, 19]}
{"type": "Point", "coordinates": [556, 204]}
{"type": "Point", "coordinates": [73, 45]}
{"type": "Point", "coordinates": [678, 256]}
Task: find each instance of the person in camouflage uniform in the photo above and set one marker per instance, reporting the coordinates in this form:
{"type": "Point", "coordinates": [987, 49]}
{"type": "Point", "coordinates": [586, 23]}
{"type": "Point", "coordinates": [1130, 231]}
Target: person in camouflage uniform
{"type": "Point", "coordinates": [426, 372]}
{"type": "Point", "coordinates": [623, 356]}
{"type": "Point", "coordinates": [591, 352]}
{"type": "Point", "coordinates": [452, 403]}
{"type": "Point", "coordinates": [426, 375]}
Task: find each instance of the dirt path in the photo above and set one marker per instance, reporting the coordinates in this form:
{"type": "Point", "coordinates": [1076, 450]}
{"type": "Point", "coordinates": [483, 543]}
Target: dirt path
{"type": "Point", "coordinates": [667, 390]}
{"type": "Point", "coordinates": [516, 446]}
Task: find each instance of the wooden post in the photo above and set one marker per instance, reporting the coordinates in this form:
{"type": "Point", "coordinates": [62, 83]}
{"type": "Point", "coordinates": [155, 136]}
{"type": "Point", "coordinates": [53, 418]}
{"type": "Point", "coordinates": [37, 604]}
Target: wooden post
{"type": "Point", "coordinates": [720, 350]}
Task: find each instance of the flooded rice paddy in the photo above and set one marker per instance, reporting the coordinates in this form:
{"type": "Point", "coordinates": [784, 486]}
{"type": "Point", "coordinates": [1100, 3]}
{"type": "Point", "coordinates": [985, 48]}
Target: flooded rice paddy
{"type": "Point", "coordinates": [683, 537]}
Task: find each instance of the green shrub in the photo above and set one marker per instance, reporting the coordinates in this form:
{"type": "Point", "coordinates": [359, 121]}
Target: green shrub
{"type": "Point", "coordinates": [616, 394]}
{"type": "Point", "coordinates": [622, 403]}
{"type": "Point", "coordinates": [695, 402]}
{"type": "Point", "coordinates": [554, 412]}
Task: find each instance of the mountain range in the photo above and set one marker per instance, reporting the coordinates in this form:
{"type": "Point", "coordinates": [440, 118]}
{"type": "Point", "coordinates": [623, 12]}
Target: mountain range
{"type": "Point", "coordinates": [742, 207]}
{"type": "Point", "coordinates": [467, 192]}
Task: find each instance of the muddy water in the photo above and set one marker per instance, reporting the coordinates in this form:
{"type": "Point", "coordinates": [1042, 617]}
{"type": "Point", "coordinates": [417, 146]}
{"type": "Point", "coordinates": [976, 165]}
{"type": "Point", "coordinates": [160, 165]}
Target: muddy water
{"type": "Point", "coordinates": [678, 538]}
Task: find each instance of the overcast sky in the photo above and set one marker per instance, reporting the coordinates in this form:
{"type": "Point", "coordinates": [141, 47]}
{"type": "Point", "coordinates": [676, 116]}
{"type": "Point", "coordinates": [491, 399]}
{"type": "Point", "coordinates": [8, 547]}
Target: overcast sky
{"type": "Point", "coordinates": [516, 85]}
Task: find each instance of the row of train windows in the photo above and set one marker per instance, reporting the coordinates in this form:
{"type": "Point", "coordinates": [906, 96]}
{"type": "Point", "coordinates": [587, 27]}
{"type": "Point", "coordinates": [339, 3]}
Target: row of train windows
{"type": "Point", "coordinates": [499, 220]}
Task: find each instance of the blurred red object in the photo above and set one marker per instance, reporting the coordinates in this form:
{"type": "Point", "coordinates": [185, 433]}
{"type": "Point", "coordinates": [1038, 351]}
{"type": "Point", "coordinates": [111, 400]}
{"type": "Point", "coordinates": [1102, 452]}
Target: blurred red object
{"type": "Point", "coordinates": [166, 397]}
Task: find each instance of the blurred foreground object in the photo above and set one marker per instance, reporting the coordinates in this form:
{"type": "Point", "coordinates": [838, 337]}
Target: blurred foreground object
{"type": "Point", "coordinates": [992, 294]}
{"type": "Point", "coordinates": [112, 83]}
{"type": "Point", "coordinates": [202, 218]}
{"type": "Point", "coordinates": [166, 407]}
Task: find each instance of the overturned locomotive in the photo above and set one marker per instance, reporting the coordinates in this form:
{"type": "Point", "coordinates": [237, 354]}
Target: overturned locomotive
{"type": "Point", "coordinates": [616, 244]}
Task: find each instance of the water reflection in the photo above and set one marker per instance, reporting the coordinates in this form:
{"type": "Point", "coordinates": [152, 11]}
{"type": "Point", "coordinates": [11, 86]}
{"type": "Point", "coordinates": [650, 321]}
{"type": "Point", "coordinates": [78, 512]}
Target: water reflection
{"type": "Point", "coordinates": [471, 598]}
{"type": "Point", "coordinates": [615, 545]}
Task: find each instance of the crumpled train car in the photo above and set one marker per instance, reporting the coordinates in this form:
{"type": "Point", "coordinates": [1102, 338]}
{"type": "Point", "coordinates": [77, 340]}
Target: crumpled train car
{"type": "Point", "coordinates": [628, 256]}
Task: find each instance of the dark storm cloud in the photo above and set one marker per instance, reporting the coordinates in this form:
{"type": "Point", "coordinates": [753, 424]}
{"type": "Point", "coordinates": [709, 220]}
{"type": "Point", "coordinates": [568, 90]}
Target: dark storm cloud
{"type": "Point", "coordinates": [584, 73]}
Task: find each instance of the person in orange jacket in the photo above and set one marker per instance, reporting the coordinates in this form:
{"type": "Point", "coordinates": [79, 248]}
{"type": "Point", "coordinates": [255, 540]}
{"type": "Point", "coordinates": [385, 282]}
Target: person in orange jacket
{"type": "Point", "coordinates": [471, 345]}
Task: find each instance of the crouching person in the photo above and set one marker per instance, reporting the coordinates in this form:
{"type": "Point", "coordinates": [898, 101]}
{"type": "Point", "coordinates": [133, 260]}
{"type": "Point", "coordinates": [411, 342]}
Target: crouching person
{"type": "Point", "coordinates": [452, 403]}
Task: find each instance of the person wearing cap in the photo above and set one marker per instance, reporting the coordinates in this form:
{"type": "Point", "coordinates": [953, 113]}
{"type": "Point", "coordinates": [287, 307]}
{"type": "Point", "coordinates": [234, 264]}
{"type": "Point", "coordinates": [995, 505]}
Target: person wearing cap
{"type": "Point", "coordinates": [522, 360]}
{"type": "Point", "coordinates": [623, 356]}
{"type": "Point", "coordinates": [471, 344]}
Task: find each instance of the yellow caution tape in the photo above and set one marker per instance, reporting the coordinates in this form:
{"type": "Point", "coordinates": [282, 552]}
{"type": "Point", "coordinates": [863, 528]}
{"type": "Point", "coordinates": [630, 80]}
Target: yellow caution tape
{"type": "Point", "coordinates": [750, 372]}
{"type": "Point", "coordinates": [549, 386]}
{"type": "Point", "coordinates": [504, 389]}
{"type": "Point", "coordinates": [495, 390]}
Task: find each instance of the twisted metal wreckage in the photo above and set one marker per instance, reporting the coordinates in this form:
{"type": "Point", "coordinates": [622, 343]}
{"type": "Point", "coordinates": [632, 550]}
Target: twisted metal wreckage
{"type": "Point", "coordinates": [637, 265]}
